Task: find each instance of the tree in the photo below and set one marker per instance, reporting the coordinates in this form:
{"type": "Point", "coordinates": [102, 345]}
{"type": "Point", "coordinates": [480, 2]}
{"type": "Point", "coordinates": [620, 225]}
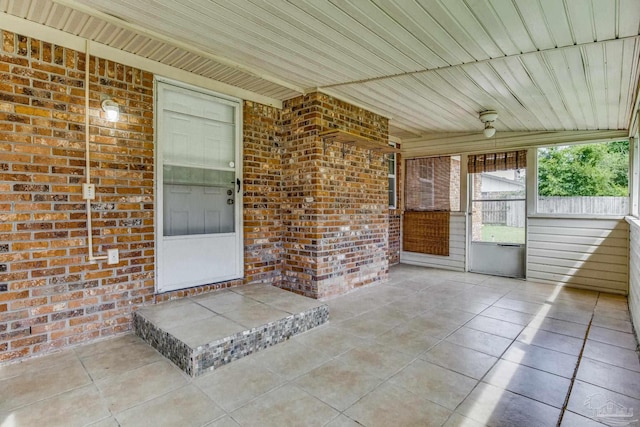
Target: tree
{"type": "Point", "coordinates": [600, 169]}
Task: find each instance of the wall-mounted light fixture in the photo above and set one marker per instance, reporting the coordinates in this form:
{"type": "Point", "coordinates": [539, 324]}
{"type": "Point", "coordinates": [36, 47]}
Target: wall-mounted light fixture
{"type": "Point", "coordinates": [488, 117]}
{"type": "Point", "coordinates": [111, 109]}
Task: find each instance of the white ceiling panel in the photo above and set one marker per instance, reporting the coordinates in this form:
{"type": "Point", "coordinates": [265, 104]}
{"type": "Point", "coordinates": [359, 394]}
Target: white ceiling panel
{"type": "Point", "coordinates": [429, 65]}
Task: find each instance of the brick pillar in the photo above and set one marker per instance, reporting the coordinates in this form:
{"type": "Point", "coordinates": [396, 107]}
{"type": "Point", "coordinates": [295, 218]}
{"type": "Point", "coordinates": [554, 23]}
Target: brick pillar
{"type": "Point", "coordinates": [335, 199]}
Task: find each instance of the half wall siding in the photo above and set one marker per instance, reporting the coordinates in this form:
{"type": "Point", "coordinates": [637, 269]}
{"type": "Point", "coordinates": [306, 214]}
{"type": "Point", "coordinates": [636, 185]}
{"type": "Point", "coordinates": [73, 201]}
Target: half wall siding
{"type": "Point", "coordinates": [634, 275]}
{"type": "Point", "coordinates": [457, 248]}
{"type": "Point", "coordinates": [586, 253]}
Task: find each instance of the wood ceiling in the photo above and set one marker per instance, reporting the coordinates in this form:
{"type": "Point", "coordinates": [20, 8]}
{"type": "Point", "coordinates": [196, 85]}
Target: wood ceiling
{"type": "Point", "coordinates": [428, 65]}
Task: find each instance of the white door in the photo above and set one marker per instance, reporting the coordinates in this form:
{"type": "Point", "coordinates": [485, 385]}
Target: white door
{"type": "Point", "coordinates": [498, 223]}
{"type": "Point", "coordinates": [199, 230]}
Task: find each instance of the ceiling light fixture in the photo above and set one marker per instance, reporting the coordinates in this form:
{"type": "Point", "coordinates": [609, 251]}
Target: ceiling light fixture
{"type": "Point", "coordinates": [111, 108]}
{"type": "Point", "coordinates": [488, 117]}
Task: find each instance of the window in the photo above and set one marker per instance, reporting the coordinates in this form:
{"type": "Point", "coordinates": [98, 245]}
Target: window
{"type": "Point", "coordinates": [433, 184]}
{"type": "Point", "coordinates": [584, 179]}
{"type": "Point", "coordinates": [391, 159]}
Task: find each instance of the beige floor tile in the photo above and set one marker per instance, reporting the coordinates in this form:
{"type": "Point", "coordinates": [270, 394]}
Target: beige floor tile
{"type": "Point", "coordinates": [410, 340]}
{"type": "Point", "coordinates": [295, 304]}
{"type": "Point", "coordinates": [541, 358]}
{"type": "Point", "coordinates": [611, 377]}
{"type": "Point", "coordinates": [122, 359]}
{"type": "Point", "coordinates": [36, 385]}
{"type": "Point", "coordinates": [463, 360]}
{"type": "Point", "coordinates": [613, 313]}
{"type": "Point", "coordinates": [503, 283]}
{"type": "Point", "coordinates": [340, 310]}
{"type": "Point", "coordinates": [388, 315]}
{"type": "Point", "coordinates": [480, 341]}
{"type": "Point", "coordinates": [535, 299]}
{"type": "Point", "coordinates": [186, 406]}
{"type": "Point", "coordinates": [66, 358]}
{"type": "Point", "coordinates": [254, 316]}
{"type": "Point", "coordinates": [338, 384]}
{"type": "Point", "coordinates": [106, 422]}
{"type": "Point", "coordinates": [359, 301]}
{"type": "Point", "coordinates": [263, 293]}
{"type": "Point", "coordinates": [587, 399]}
{"type": "Point", "coordinates": [507, 315]}
{"type": "Point", "coordinates": [329, 340]}
{"type": "Point", "coordinates": [494, 406]}
{"type": "Point", "coordinates": [570, 314]}
{"type": "Point", "coordinates": [233, 385]}
{"type": "Point", "coordinates": [552, 341]}
{"type": "Point", "coordinates": [435, 383]}
{"type": "Point", "coordinates": [139, 385]}
{"type": "Point", "coordinates": [495, 326]}
{"type": "Point", "coordinates": [411, 306]}
{"type": "Point", "coordinates": [77, 407]}
{"type": "Point", "coordinates": [450, 313]}
{"type": "Point", "coordinates": [533, 383]}
{"type": "Point", "coordinates": [373, 359]}
{"type": "Point", "coordinates": [343, 421]}
{"type": "Point", "coordinates": [224, 301]}
{"type": "Point", "coordinates": [570, 419]}
{"type": "Point", "coordinates": [471, 278]}
{"type": "Point", "coordinates": [363, 326]}
{"type": "Point", "coordinates": [616, 302]}
{"type": "Point", "coordinates": [286, 406]}
{"type": "Point", "coordinates": [613, 323]}
{"type": "Point", "coordinates": [608, 336]}
{"type": "Point", "coordinates": [473, 307]}
{"type": "Point", "coordinates": [290, 359]}
{"type": "Point", "coordinates": [205, 331]}
{"type": "Point", "coordinates": [457, 420]}
{"type": "Point", "coordinates": [576, 330]}
{"type": "Point", "coordinates": [476, 296]}
{"type": "Point", "coordinates": [612, 355]}
{"type": "Point", "coordinates": [174, 313]}
{"type": "Point", "coordinates": [390, 294]}
{"type": "Point", "coordinates": [431, 326]}
{"type": "Point", "coordinates": [107, 345]}
{"type": "Point", "coordinates": [517, 302]}
{"type": "Point", "coordinates": [225, 421]}
{"type": "Point", "coordinates": [389, 405]}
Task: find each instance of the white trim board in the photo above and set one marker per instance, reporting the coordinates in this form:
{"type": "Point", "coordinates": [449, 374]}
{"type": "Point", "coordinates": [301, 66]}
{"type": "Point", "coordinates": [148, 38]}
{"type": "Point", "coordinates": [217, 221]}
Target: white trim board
{"type": "Point", "coordinates": [462, 143]}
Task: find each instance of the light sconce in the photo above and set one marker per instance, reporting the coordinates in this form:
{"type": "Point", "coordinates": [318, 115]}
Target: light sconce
{"type": "Point", "coordinates": [488, 117]}
{"type": "Point", "coordinates": [111, 109]}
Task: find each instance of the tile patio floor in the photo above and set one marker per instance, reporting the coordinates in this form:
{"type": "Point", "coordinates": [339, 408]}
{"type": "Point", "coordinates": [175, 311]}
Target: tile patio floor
{"type": "Point", "coordinates": [428, 347]}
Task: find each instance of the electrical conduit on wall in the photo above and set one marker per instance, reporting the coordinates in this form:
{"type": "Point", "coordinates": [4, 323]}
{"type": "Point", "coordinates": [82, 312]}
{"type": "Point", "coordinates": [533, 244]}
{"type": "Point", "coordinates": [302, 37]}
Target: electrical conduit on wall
{"type": "Point", "coordinates": [87, 198]}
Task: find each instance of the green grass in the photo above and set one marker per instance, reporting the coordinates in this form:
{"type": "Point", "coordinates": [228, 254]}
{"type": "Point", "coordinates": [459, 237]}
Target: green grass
{"type": "Point", "coordinates": [502, 234]}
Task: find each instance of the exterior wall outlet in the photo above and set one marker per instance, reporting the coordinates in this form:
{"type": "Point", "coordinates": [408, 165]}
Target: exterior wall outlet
{"type": "Point", "coordinates": [88, 191]}
{"type": "Point", "coordinates": [112, 256]}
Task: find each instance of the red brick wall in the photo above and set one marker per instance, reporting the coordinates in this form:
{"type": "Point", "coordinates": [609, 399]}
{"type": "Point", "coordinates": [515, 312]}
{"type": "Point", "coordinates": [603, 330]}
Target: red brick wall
{"type": "Point", "coordinates": [50, 297]}
{"type": "Point", "coordinates": [262, 194]}
{"type": "Point", "coordinates": [335, 212]}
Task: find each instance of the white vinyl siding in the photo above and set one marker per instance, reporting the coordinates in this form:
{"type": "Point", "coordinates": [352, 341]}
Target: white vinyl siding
{"type": "Point", "coordinates": [457, 252]}
{"type": "Point", "coordinates": [585, 253]}
{"type": "Point", "coordinates": [634, 275]}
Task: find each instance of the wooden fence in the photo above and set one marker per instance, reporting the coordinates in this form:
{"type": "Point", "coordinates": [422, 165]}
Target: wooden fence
{"type": "Point", "coordinates": [584, 205]}
{"type": "Point", "coordinates": [511, 214]}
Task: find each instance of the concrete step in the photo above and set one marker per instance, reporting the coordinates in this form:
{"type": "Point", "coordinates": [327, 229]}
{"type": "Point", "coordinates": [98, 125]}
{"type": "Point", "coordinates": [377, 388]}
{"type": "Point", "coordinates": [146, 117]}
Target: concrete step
{"type": "Point", "coordinates": [204, 332]}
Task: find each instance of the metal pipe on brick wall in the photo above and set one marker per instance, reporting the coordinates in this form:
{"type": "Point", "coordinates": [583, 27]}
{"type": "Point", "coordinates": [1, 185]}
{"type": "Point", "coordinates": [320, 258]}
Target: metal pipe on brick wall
{"type": "Point", "coordinates": [87, 57]}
